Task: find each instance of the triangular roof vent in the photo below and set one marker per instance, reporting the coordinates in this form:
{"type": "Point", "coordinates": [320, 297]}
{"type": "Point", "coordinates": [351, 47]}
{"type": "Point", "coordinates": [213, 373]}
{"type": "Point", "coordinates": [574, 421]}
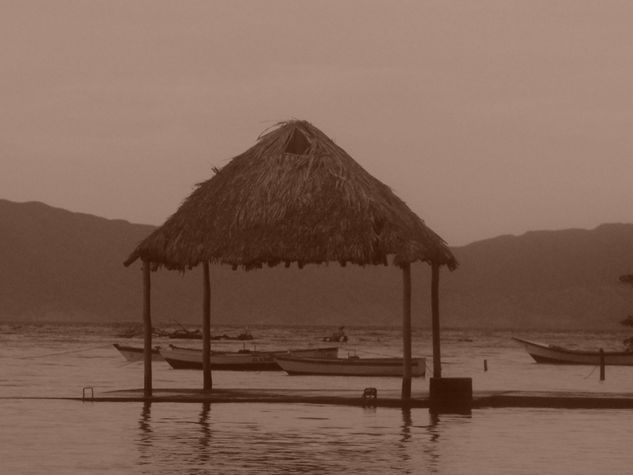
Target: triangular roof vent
{"type": "Point", "coordinates": [298, 143]}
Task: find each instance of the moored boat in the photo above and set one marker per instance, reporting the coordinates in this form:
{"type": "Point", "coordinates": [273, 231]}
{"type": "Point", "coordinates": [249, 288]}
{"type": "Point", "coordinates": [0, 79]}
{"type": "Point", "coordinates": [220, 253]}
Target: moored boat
{"type": "Point", "coordinates": [552, 354]}
{"type": "Point", "coordinates": [185, 334]}
{"type": "Point", "coordinates": [352, 366]}
{"type": "Point", "coordinates": [337, 336]}
{"type": "Point", "coordinates": [133, 353]}
{"type": "Point", "coordinates": [243, 360]}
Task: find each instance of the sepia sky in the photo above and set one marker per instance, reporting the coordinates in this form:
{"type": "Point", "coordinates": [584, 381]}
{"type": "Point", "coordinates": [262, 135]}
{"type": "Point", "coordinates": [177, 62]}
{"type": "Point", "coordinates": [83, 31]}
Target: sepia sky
{"type": "Point", "coordinates": [485, 117]}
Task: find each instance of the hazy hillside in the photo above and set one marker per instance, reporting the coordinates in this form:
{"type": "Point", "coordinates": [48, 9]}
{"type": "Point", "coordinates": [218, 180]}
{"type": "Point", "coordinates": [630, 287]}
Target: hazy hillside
{"type": "Point", "coordinates": [59, 265]}
{"type": "Point", "coordinates": [546, 278]}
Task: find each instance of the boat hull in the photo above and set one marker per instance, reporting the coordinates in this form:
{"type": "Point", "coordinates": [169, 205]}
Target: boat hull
{"type": "Point", "coordinates": [550, 354]}
{"type": "Point", "coordinates": [339, 339]}
{"type": "Point", "coordinates": [132, 353]}
{"type": "Point", "coordinates": [191, 358]}
{"type": "Point", "coordinates": [350, 366]}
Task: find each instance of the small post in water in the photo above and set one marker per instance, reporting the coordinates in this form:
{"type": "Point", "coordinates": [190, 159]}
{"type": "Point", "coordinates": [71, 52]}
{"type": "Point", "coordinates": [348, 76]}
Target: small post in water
{"type": "Point", "coordinates": [601, 364]}
{"type": "Point", "coordinates": [485, 365]}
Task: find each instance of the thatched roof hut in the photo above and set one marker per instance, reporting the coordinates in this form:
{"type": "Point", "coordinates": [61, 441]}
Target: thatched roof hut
{"type": "Point", "coordinates": [293, 197]}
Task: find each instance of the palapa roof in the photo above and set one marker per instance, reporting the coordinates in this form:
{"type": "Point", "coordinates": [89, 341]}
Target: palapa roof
{"type": "Point", "coordinates": [295, 196]}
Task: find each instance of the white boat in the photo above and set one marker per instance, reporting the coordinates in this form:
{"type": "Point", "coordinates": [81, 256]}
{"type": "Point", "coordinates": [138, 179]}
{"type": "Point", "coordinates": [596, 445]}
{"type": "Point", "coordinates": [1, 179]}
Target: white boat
{"type": "Point", "coordinates": [133, 353]}
{"type": "Point", "coordinates": [352, 366]}
{"type": "Point", "coordinates": [551, 354]}
{"type": "Point", "coordinates": [243, 360]}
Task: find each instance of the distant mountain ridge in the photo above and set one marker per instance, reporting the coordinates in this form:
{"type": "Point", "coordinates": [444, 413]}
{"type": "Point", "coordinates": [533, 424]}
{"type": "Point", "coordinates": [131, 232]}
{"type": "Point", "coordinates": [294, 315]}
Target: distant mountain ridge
{"type": "Point", "coordinates": [58, 265]}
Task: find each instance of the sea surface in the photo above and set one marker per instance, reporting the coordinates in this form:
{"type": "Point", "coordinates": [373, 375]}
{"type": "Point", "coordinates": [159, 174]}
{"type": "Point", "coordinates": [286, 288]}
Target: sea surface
{"type": "Point", "coordinates": [55, 436]}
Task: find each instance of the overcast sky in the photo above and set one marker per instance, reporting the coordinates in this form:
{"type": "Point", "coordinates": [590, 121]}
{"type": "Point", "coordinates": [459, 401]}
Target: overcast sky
{"type": "Point", "coordinates": [485, 117]}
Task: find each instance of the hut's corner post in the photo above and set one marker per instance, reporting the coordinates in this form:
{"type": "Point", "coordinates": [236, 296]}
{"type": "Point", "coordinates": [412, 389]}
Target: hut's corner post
{"type": "Point", "coordinates": [406, 332]}
{"type": "Point", "coordinates": [435, 319]}
{"type": "Point", "coordinates": [147, 330]}
{"type": "Point", "coordinates": [206, 329]}
{"type": "Point", "coordinates": [445, 394]}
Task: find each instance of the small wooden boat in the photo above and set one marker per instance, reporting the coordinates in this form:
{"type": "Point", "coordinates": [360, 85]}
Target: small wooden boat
{"type": "Point", "coordinates": [185, 334]}
{"type": "Point", "coordinates": [352, 366]}
{"type": "Point", "coordinates": [243, 360]}
{"type": "Point", "coordinates": [197, 335]}
{"type": "Point", "coordinates": [335, 338]}
{"type": "Point", "coordinates": [551, 354]}
{"type": "Point", "coordinates": [240, 337]}
{"type": "Point", "coordinates": [133, 353]}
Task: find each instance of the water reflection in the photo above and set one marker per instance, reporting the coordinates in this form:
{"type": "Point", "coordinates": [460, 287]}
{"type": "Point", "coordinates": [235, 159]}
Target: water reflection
{"type": "Point", "coordinates": [406, 425]}
{"type": "Point", "coordinates": [431, 447]}
{"type": "Point", "coordinates": [369, 410]}
{"type": "Point", "coordinates": [434, 420]}
{"type": "Point", "coordinates": [404, 448]}
{"type": "Point", "coordinates": [205, 432]}
{"type": "Point", "coordinates": [300, 438]}
{"type": "Point", "coordinates": [420, 446]}
{"type": "Point", "coordinates": [163, 438]}
{"type": "Point", "coordinates": [145, 435]}
{"type": "Point", "coordinates": [441, 430]}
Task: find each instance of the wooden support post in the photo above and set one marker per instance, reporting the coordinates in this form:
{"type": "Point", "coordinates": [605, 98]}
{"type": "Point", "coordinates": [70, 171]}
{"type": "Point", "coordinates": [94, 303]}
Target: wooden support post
{"type": "Point", "coordinates": [485, 365]}
{"type": "Point", "coordinates": [206, 329]}
{"type": "Point", "coordinates": [147, 331]}
{"type": "Point", "coordinates": [406, 332]}
{"type": "Point", "coordinates": [601, 364]}
{"type": "Point", "coordinates": [435, 316]}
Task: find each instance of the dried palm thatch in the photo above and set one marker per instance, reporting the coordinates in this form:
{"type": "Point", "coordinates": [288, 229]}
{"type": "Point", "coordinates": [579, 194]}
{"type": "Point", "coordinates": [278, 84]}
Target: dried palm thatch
{"type": "Point", "coordinates": [295, 196]}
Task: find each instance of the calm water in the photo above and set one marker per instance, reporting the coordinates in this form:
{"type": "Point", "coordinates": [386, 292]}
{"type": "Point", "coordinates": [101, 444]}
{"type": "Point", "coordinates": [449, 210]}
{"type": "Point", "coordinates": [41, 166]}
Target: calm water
{"type": "Point", "coordinates": [53, 436]}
